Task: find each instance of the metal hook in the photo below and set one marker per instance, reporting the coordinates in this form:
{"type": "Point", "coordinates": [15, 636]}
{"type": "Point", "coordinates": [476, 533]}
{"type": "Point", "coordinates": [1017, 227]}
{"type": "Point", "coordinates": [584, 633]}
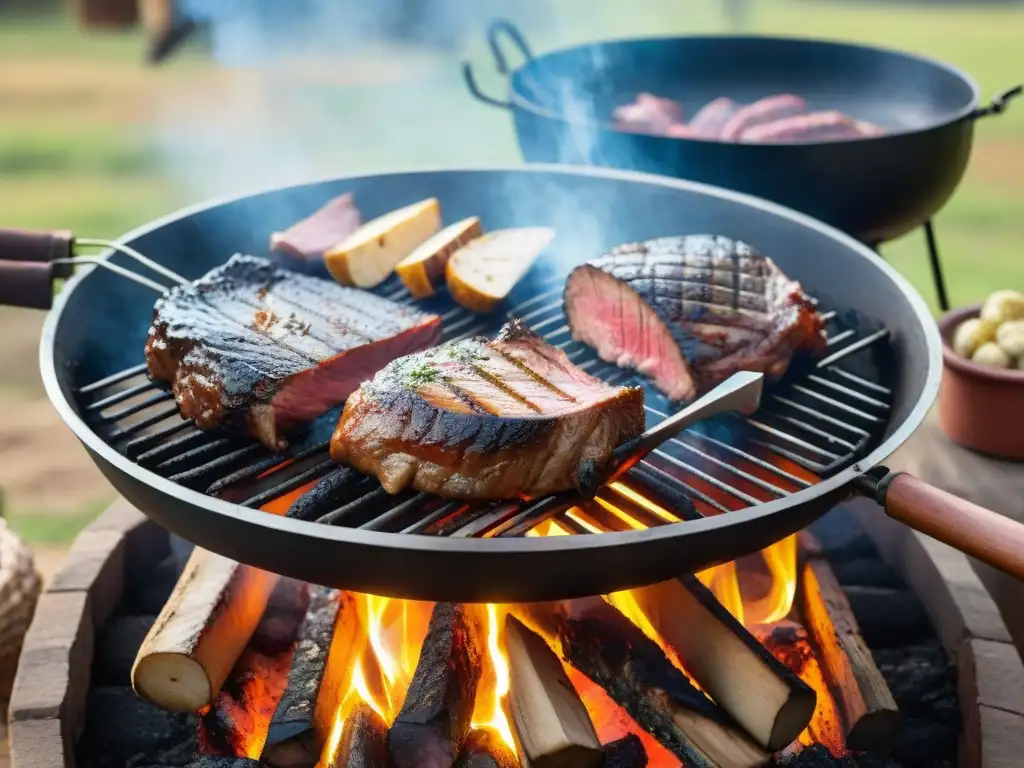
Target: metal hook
{"type": "Point", "coordinates": [474, 89]}
{"type": "Point", "coordinates": [1000, 102]}
{"type": "Point", "coordinates": [510, 30]}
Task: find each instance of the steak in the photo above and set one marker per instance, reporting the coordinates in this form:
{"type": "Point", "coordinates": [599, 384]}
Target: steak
{"type": "Point", "coordinates": [690, 311]}
{"type": "Point", "coordinates": [478, 420]}
{"type": "Point", "coordinates": [254, 347]}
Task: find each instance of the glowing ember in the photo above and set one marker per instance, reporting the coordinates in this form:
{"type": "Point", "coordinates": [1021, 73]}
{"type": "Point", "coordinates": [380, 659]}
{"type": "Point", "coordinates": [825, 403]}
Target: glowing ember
{"type": "Point", "coordinates": [612, 722]}
{"type": "Point", "coordinates": [790, 644]}
{"type": "Point", "coordinates": [237, 721]}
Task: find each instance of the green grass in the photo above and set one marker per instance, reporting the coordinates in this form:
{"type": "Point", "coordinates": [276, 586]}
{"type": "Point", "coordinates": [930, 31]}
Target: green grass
{"type": "Point", "coordinates": [50, 527]}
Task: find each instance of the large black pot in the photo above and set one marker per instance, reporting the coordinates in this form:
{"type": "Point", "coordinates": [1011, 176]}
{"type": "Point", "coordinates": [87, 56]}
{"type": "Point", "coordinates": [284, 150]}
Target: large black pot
{"type": "Point", "coordinates": [875, 189]}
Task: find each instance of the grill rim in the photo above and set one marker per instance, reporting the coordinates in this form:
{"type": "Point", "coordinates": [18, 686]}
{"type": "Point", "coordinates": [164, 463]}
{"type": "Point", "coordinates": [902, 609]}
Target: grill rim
{"type": "Point", "coordinates": [800, 504]}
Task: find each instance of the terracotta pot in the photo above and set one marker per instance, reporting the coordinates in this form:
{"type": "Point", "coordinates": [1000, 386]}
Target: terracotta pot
{"type": "Point", "coordinates": [980, 408]}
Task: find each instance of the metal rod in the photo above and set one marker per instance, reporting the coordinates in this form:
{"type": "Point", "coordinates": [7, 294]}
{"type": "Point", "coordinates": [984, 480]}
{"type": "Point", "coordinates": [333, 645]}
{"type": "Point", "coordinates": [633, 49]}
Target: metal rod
{"type": "Point", "coordinates": [933, 258]}
{"type": "Point", "coordinates": [881, 405]}
{"type": "Point", "coordinates": [133, 254]}
{"type": "Point", "coordinates": [99, 262]}
{"type": "Point", "coordinates": [114, 378]}
{"type": "Point", "coordinates": [860, 381]}
{"type": "Point", "coordinates": [857, 346]}
{"type": "Point", "coordinates": [138, 447]}
{"type": "Point", "coordinates": [836, 404]}
{"type": "Point", "coordinates": [118, 397]}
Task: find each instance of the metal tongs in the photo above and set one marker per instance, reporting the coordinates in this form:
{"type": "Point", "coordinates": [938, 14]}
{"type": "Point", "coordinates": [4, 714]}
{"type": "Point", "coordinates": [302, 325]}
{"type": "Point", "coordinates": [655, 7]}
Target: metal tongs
{"type": "Point", "coordinates": [740, 392]}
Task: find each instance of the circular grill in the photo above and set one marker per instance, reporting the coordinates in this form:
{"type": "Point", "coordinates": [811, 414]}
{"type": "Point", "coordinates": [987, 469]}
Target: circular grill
{"type": "Point", "coordinates": [818, 420]}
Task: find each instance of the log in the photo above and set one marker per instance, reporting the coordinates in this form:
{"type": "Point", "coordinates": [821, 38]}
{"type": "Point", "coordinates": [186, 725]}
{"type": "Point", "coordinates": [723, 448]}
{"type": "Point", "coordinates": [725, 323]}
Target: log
{"type": "Point", "coordinates": [434, 721]}
{"type": "Point", "coordinates": [871, 718]}
{"type": "Point", "coordinates": [363, 741]}
{"type": "Point", "coordinates": [627, 752]}
{"type": "Point", "coordinates": [614, 653]}
{"type": "Point", "coordinates": [552, 725]}
{"type": "Point", "coordinates": [201, 632]}
{"type": "Point", "coordinates": [764, 696]}
{"type": "Point", "coordinates": [294, 738]}
{"type": "Point", "coordinates": [483, 748]}
{"type": "Point", "coordinates": [279, 626]}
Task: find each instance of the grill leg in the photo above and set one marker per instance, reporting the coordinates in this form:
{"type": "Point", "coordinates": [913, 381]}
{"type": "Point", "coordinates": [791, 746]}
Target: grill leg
{"type": "Point", "coordinates": [933, 257]}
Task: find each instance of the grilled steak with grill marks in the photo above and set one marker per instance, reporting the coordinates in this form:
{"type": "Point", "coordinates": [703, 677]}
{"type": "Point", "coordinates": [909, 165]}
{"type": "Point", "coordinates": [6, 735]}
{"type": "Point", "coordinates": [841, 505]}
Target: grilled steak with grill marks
{"type": "Point", "coordinates": [690, 311]}
{"type": "Point", "coordinates": [481, 420]}
{"type": "Point", "coordinates": [256, 347]}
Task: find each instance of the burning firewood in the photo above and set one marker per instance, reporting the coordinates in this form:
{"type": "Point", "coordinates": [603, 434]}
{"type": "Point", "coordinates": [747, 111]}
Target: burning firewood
{"type": "Point", "coordinates": [300, 726]}
{"type": "Point", "coordinates": [434, 721]}
{"type": "Point", "coordinates": [201, 632]}
{"type": "Point", "coordinates": [363, 741]}
{"type": "Point", "coordinates": [614, 653]}
{"type": "Point", "coordinates": [870, 713]}
{"type": "Point", "coordinates": [791, 644]}
{"type": "Point", "coordinates": [483, 749]}
{"type": "Point", "coordinates": [765, 697]}
{"type": "Point", "coordinates": [552, 725]}
{"type": "Point", "coordinates": [236, 722]}
{"type": "Point", "coordinates": [627, 752]}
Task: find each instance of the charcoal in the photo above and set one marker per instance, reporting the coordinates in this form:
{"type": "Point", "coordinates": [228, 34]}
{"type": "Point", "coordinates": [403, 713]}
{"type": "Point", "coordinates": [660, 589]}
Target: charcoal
{"type": "Point", "coordinates": [120, 725]}
{"type": "Point", "coordinates": [148, 594]}
{"type": "Point", "coordinates": [225, 761]}
{"type": "Point", "coordinates": [627, 752]}
{"type": "Point", "coordinates": [181, 755]}
{"type": "Point", "coordinates": [923, 683]}
{"type": "Point", "coordinates": [888, 618]}
{"type": "Point", "coordinates": [816, 756]}
{"type": "Point", "coordinates": [866, 572]}
{"type": "Point", "coordinates": [116, 648]}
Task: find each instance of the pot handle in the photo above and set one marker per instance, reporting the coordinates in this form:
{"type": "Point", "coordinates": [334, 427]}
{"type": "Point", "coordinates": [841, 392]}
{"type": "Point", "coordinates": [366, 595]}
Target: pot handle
{"type": "Point", "coordinates": [27, 284]}
{"type": "Point", "coordinates": [495, 31]}
{"type": "Point", "coordinates": [498, 28]}
{"type": "Point", "coordinates": [999, 103]}
{"type": "Point", "coordinates": [975, 531]}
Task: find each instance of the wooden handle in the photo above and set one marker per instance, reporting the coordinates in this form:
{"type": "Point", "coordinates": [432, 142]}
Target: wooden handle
{"type": "Point", "coordinates": [26, 284]}
{"type": "Point", "coordinates": [36, 246]}
{"type": "Point", "coordinates": [974, 530]}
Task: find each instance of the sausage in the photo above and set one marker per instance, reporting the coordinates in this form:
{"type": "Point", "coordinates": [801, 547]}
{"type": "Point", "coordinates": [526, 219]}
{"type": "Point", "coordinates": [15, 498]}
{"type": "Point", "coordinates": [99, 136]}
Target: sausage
{"type": "Point", "coordinates": [816, 126]}
{"type": "Point", "coordinates": [708, 122]}
{"type": "Point", "coordinates": [766, 110]}
{"type": "Point", "coordinates": [648, 114]}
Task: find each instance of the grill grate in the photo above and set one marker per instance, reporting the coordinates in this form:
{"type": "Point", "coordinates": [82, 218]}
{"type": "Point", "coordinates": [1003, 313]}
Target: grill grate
{"type": "Point", "coordinates": [820, 418]}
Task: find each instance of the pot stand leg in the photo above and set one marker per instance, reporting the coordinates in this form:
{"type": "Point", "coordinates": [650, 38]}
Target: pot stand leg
{"type": "Point", "coordinates": [933, 258]}
{"type": "Point", "coordinates": [974, 530]}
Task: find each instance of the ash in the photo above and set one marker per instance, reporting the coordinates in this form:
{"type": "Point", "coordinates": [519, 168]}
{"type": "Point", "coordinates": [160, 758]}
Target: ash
{"type": "Point", "coordinates": [123, 730]}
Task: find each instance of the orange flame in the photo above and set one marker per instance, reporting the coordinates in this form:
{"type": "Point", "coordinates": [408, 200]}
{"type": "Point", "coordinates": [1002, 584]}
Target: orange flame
{"type": "Point", "coordinates": [489, 710]}
{"type": "Point", "coordinates": [358, 692]}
